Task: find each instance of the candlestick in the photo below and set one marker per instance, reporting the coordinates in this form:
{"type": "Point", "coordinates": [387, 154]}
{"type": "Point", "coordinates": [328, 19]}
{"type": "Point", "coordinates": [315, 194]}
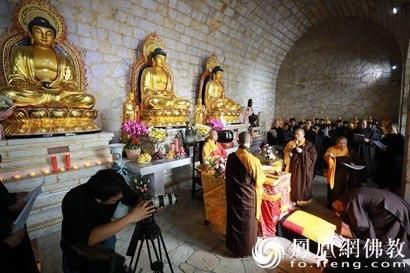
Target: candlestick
{"type": "Point", "coordinates": [67, 161]}
{"type": "Point", "coordinates": [54, 164]}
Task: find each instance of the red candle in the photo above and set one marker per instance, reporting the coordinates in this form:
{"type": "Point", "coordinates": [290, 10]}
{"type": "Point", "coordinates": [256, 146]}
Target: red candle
{"type": "Point", "coordinates": [67, 161]}
{"type": "Point", "coordinates": [54, 165]}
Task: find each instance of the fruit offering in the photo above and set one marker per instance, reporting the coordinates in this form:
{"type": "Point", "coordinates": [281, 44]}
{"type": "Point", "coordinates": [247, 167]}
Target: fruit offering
{"type": "Point", "coordinates": [158, 155]}
{"type": "Point", "coordinates": [144, 158]}
{"type": "Point", "coordinates": [170, 155]}
{"type": "Point", "coordinates": [157, 135]}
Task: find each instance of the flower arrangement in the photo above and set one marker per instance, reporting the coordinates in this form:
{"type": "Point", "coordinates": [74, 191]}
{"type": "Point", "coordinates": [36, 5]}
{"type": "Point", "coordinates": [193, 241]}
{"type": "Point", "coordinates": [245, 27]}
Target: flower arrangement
{"type": "Point", "coordinates": [157, 135]}
{"type": "Point", "coordinates": [268, 154]}
{"type": "Point", "coordinates": [216, 124]}
{"type": "Point", "coordinates": [202, 130]}
{"type": "Point", "coordinates": [134, 130]}
{"type": "Point", "coordinates": [216, 166]}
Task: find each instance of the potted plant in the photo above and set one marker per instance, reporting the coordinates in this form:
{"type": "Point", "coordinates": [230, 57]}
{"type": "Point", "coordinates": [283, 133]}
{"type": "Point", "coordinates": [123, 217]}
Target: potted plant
{"type": "Point", "coordinates": [133, 131]}
{"type": "Point", "coordinates": [6, 110]}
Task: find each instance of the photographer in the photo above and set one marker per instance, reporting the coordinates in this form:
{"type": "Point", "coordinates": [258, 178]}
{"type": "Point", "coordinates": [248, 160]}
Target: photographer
{"type": "Point", "coordinates": [87, 212]}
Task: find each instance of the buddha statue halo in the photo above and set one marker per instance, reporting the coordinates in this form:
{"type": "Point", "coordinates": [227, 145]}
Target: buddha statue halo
{"type": "Point", "coordinates": [44, 75]}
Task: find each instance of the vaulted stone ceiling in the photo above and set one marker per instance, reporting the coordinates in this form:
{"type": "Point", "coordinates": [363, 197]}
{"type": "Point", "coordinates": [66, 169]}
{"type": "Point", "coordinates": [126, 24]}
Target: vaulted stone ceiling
{"type": "Point", "coordinates": [277, 25]}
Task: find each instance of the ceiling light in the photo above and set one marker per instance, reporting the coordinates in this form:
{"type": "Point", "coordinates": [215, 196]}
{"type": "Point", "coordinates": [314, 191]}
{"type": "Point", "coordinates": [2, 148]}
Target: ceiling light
{"type": "Point", "coordinates": [393, 67]}
{"type": "Point", "coordinates": [395, 10]}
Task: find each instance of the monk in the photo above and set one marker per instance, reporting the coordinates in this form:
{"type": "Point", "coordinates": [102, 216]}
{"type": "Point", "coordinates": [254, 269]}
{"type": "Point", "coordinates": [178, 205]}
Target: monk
{"type": "Point", "coordinates": [362, 143]}
{"type": "Point", "coordinates": [340, 178]}
{"type": "Point", "coordinates": [376, 214]}
{"type": "Point", "coordinates": [212, 148]}
{"type": "Point", "coordinates": [244, 180]}
{"type": "Point", "coordinates": [300, 157]}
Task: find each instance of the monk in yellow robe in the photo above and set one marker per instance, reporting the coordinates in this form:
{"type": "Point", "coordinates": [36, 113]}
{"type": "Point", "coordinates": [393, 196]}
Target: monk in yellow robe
{"type": "Point", "coordinates": [244, 189]}
{"type": "Point", "coordinates": [212, 148]}
{"type": "Point", "coordinates": [341, 178]}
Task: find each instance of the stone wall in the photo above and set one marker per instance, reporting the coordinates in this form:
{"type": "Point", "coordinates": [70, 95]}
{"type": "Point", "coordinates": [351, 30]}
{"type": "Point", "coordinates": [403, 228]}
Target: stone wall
{"type": "Point", "coordinates": [109, 33]}
{"type": "Point", "coordinates": [341, 68]}
{"type": "Point", "coordinates": [251, 38]}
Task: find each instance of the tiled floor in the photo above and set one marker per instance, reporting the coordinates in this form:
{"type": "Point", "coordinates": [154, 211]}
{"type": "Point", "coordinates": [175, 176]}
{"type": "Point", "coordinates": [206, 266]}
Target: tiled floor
{"type": "Point", "coordinates": [192, 246]}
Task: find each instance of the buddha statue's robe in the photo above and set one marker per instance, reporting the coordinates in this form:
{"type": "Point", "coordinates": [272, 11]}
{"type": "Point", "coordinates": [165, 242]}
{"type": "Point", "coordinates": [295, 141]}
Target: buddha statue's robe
{"type": "Point", "coordinates": [157, 91]}
{"type": "Point", "coordinates": [215, 99]}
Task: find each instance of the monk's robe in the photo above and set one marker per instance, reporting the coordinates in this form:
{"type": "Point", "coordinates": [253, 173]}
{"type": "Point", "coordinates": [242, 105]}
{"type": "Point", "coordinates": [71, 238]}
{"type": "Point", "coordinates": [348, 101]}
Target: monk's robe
{"type": "Point", "coordinates": [301, 166]}
{"type": "Point", "coordinates": [212, 149]}
{"type": "Point", "coordinates": [244, 189]}
{"type": "Point", "coordinates": [366, 150]}
{"type": "Point", "coordinates": [340, 178]}
{"type": "Point", "coordinates": [378, 214]}
{"type": "Point", "coordinates": [390, 162]}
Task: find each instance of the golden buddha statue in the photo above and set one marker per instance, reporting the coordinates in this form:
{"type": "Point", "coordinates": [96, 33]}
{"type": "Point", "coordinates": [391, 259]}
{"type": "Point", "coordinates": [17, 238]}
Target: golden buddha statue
{"type": "Point", "coordinates": [215, 100]}
{"type": "Point", "coordinates": [44, 75]}
{"type": "Point", "coordinates": [200, 112]}
{"type": "Point", "coordinates": [152, 95]}
{"type": "Point", "coordinates": [156, 86]}
{"type": "Point", "coordinates": [39, 76]}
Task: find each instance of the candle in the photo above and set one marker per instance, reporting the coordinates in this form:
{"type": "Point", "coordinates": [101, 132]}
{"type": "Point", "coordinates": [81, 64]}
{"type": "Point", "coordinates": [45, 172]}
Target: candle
{"type": "Point", "coordinates": [75, 167]}
{"type": "Point", "coordinates": [54, 165]}
{"type": "Point", "coordinates": [98, 162]}
{"type": "Point", "coordinates": [45, 171]}
{"type": "Point", "coordinates": [67, 161]}
{"type": "Point", "coordinates": [87, 164]}
{"type": "Point", "coordinates": [62, 169]}
{"type": "Point", "coordinates": [17, 176]}
{"type": "Point", "coordinates": [32, 174]}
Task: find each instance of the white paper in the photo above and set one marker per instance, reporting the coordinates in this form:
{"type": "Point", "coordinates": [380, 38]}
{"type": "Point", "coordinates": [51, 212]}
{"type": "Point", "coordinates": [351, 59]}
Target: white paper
{"type": "Point", "coordinates": [24, 214]}
{"type": "Point", "coordinates": [354, 166]}
{"type": "Point", "coordinates": [380, 144]}
{"type": "Point", "coordinates": [358, 137]}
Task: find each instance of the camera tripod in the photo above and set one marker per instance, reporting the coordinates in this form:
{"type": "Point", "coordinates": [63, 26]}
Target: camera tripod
{"type": "Point", "coordinates": [147, 230]}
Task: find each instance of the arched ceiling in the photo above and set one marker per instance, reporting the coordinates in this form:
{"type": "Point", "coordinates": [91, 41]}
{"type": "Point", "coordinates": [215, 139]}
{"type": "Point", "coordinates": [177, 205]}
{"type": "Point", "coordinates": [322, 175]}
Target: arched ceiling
{"type": "Point", "coordinates": [283, 22]}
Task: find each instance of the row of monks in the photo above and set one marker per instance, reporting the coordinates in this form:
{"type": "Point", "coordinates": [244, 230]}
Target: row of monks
{"type": "Point", "coordinates": [45, 77]}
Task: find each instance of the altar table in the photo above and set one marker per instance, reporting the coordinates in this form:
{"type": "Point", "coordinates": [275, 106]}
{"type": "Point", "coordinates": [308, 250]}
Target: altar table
{"type": "Point", "coordinates": [154, 171]}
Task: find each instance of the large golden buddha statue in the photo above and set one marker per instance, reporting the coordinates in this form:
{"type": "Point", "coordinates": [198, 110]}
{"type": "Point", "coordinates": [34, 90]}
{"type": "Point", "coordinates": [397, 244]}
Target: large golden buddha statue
{"type": "Point", "coordinates": [43, 77]}
{"type": "Point", "coordinates": [156, 85]}
{"type": "Point", "coordinates": [212, 92]}
{"type": "Point", "coordinates": [152, 81]}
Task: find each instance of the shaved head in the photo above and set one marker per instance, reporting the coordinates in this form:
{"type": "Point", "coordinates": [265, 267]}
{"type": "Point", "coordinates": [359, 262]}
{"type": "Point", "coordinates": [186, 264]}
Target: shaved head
{"type": "Point", "coordinates": [244, 139]}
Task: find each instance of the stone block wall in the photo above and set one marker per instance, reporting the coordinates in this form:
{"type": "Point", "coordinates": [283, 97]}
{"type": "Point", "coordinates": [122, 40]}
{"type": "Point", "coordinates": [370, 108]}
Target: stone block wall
{"type": "Point", "coordinates": [341, 68]}
{"type": "Point", "coordinates": [109, 33]}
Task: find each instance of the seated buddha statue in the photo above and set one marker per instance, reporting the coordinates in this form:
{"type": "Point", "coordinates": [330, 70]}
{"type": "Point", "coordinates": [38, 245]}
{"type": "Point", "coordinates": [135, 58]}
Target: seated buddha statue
{"type": "Point", "coordinates": [215, 99]}
{"type": "Point", "coordinates": [40, 76]}
{"type": "Point", "coordinates": [156, 86]}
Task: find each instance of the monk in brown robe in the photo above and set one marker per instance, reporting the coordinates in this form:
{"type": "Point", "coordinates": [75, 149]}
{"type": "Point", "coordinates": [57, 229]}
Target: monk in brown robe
{"type": "Point", "coordinates": [300, 157]}
{"type": "Point", "coordinates": [376, 214]}
{"type": "Point", "coordinates": [244, 181]}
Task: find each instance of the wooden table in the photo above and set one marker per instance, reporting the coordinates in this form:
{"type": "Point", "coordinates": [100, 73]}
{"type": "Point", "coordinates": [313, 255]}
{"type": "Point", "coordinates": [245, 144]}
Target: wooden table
{"type": "Point", "coordinates": [154, 171]}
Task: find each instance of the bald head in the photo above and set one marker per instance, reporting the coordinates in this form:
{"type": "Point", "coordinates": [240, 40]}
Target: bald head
{"type": "Point", "coordinates": [299, 134]}
{"type": "Point", "coordinates": [244, 139]}
{"type": "Point", "coordinates": [213, 135]}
